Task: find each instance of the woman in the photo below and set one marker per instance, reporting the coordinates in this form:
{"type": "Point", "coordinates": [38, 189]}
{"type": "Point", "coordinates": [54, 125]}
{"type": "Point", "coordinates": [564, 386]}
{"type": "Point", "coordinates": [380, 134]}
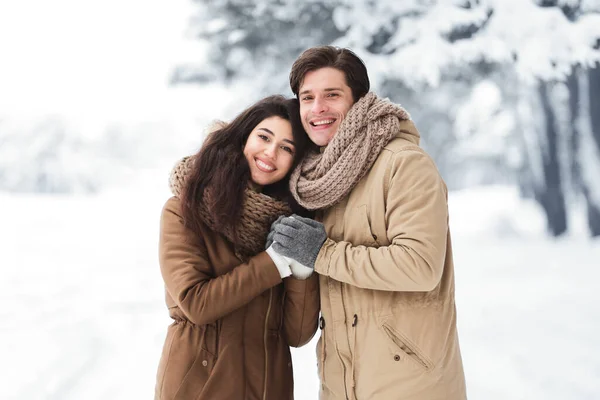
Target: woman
{"type": "Point", "coordinates": [236, 308]}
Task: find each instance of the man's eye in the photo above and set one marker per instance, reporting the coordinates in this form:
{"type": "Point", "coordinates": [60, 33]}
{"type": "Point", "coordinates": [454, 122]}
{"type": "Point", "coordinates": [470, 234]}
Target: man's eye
{"type": "Point", "coordinates": [333, 95]}
{"type": "Point", "coordinates": [306, 98]}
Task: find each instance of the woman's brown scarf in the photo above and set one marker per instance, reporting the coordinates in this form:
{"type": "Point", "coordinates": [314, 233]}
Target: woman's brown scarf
{"type": "Point", "coordinates": [257, 216]}
{"type": "Point", "coordinates": [323, 179]}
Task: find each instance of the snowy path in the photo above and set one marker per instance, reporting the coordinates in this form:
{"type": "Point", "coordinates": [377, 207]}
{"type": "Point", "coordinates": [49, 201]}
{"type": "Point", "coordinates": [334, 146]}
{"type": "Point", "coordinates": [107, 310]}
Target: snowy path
{"type": "Point", "coordinates": [83, 314]}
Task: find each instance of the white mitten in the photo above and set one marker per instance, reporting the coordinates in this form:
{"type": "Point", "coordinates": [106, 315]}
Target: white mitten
{"type": "Point", "coordinates": [299, 271]}
{"type": "Point", "coordinates": [283, 266]}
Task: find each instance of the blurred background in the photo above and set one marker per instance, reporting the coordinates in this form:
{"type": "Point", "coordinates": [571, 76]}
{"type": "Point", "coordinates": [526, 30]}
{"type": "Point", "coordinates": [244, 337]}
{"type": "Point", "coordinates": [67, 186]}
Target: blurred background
{"type": "Point", "coordinates": [98, 100]}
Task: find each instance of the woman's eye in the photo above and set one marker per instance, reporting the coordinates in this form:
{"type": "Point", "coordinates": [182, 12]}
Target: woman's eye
{"type": "Point", "coordinates": [264, 137]}
{"type": "Point", "coordinates": [288, 149]}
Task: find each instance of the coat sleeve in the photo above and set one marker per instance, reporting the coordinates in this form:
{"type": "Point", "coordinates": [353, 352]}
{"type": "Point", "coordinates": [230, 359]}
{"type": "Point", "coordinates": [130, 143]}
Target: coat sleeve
{"type": "Point", "coordinates": [300, 310]}
{"type": "Point", "coordinates": [416, 226]}
{"type": "Point", "coordinates": [187, 272]}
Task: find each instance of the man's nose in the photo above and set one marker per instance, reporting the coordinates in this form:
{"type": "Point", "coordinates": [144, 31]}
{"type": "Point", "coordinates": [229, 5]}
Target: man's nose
{"type": "Point", "coordinates": [319, 106]}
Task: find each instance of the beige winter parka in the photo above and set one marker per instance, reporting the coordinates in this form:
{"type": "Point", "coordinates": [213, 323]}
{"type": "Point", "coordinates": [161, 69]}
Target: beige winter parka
{"type": "Point", "coordinates": [387, 285]}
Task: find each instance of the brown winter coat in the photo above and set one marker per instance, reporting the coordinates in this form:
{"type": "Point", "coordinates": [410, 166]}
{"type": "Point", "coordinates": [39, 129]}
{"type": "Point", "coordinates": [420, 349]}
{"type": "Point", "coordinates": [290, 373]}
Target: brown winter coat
{"type": "Point", "coordinates": [387, 284]}
{"type": "Point", "coordinates": [233, 321]}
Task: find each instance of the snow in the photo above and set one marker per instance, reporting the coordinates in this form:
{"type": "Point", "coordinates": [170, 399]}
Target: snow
{"type": "Point", "coordinates": [84, 314]}
{"type": "Point", "coordinates": [96, 62]}
{"type": "Point", "coordinates": [540, 41]}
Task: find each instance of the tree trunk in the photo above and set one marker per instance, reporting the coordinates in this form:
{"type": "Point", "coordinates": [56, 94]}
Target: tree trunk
{"type": "Point", "coordinates": [575, 139]}
{"type": "Point", "coordinates": [593, 213]}
{"type": "Point", "coordinates": [550, 195]}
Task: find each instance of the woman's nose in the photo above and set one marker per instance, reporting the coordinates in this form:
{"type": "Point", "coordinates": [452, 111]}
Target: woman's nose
{"type": "Point", "coordinates": [270, 151]}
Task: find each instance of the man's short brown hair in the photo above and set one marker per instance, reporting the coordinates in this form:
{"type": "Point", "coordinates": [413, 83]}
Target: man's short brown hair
{"type": "Point", "coordinates": [341, 59]}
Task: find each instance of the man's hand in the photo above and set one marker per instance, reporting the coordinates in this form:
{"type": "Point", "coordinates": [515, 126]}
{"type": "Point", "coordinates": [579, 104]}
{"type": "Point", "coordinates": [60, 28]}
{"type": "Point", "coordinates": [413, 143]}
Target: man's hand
{"type": "Point", "coordinates": [272, 233]}
{"type": "Point", "coordinates": [299, 238]}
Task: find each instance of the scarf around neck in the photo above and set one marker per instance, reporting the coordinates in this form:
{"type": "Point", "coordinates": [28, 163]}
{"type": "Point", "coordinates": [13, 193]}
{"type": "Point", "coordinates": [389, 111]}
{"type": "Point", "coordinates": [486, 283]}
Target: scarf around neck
{"type": "Point", "coordinates": [259, 212]}
{"type": "Point", "coordinates": [323, 179]}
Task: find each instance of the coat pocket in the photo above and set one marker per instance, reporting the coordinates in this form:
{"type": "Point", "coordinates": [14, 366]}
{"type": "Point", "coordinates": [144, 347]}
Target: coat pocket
{"type": "Point", "coordinates": [186, 364]}
{"type": "Point", "coordinates": [196, 377]}
{"type": "Point", "coordinates": [210, 343]}
{"type": "Point", "coordinates": [405, 347]}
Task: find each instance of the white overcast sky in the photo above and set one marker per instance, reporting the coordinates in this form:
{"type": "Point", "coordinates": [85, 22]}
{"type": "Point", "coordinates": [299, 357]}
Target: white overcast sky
{"type": "Point", "coordinates": [107, 60]}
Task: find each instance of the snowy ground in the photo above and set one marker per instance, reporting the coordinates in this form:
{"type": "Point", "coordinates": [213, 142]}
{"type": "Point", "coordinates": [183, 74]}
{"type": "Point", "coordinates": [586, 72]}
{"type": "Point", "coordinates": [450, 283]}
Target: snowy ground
{"type": "Point", "coordinates": [84, 318]}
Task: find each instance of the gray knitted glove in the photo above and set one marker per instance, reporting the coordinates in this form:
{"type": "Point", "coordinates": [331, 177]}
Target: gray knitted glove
{"type": "Point", "coordinates": [299, 238]}
{"type": "Point", "coordinates": [272, 233]}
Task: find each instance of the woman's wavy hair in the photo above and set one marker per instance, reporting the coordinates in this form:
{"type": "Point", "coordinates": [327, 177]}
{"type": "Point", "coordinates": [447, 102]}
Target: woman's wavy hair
{"type": "Point", "coordinates": [220, 164]}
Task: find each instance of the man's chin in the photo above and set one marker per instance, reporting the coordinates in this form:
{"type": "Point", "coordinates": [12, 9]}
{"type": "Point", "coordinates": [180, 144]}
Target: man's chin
{"type": "Point", "coordinates": [321, 138]}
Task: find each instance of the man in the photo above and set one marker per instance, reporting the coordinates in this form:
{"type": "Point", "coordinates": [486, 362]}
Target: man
{"type": "Point", "coordinates": [383, 249]}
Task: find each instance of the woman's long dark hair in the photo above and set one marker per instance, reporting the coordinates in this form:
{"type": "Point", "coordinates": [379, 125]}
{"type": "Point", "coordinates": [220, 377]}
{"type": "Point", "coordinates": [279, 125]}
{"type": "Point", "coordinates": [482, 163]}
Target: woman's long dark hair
{"type": "Point", "coordinates": [221, 165]}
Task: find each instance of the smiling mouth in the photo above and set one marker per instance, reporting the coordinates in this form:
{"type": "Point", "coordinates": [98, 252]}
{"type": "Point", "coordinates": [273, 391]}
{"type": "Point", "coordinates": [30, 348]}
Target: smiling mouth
{"type": "Point", "coordinates": [263, 166]}
{"type": "Point", "coordinates": [323, 122]}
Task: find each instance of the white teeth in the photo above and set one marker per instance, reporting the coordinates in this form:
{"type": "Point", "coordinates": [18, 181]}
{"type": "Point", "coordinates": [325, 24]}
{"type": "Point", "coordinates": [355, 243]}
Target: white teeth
{"type": "Point", "coordinates": [264, 166]}
{"type": "Point", "coordinates": [324, 122]}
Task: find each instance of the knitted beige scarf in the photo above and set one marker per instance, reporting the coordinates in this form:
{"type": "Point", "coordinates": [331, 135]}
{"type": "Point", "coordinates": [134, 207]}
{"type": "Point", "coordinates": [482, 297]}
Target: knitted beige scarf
{"type": "Point", "coordinates": [257, 216]}
{"type": "Point", "coordinates": [323, 179]}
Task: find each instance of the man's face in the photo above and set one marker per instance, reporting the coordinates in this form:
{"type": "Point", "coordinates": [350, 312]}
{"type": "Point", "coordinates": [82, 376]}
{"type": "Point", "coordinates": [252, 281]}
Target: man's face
{"type": "Point", "coordinates": [325, 98]}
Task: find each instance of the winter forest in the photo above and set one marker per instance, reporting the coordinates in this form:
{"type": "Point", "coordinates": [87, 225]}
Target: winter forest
{"type": "Point", "coordinates": [97, 102]}
{"type": "Point", "coordinates": [506, 92]}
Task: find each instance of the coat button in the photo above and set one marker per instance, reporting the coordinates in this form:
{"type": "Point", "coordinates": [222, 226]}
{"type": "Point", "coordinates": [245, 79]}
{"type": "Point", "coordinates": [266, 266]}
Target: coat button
{"type": "Point", "coordinates": [204, 362]}
{"type": "Point", "coordinates": [396, 357]}
{"type": "Point", "coordinates": [375, 237]}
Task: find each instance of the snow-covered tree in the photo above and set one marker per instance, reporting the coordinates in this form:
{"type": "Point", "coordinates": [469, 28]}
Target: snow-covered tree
{"type": "Point", "coordinates": [46, 157]}
{"type": "Point", "coordinates": [257, 41]}
{"type": "Point", "coordinates": [50, 155]}
{"type": "Point", "coordinates": [416, 50]}
{"type": "Point", "coordinates": [414, 41]}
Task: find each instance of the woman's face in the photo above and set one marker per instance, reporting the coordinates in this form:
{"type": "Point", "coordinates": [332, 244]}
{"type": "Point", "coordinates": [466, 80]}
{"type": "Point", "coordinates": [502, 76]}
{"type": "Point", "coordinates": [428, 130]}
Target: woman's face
{"type": "Point", "coordinates": [270, 151]}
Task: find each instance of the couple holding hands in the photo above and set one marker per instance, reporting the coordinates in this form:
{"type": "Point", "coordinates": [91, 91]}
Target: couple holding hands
{"type": "Point", "coordinates": [321, 203]}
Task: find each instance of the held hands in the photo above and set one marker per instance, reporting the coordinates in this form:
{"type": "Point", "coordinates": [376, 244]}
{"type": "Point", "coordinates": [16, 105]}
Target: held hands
{"type": "Point", "coordinates": [298, 270]}
{"type": "Point", "coordinates": [299, 239]}
{"type": "Point", "coordinates": [272, 232]}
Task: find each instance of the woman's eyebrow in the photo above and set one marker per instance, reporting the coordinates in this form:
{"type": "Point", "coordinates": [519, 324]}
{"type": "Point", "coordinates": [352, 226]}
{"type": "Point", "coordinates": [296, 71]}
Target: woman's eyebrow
{"type": "Point", "coordinates": [272, 134]}
{"type": "Point", "coordinates": [266, 130]}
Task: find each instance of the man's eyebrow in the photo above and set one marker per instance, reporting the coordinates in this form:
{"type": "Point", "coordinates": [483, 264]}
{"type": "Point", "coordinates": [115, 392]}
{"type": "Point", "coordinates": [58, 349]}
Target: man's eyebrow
{"type": "Point", "coordinates": [272, 134]}
{"type": "Point", "coordinates": [325, 90]}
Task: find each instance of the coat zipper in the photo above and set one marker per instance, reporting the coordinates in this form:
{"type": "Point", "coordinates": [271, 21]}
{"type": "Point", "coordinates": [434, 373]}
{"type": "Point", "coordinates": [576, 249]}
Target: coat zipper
{"type": "Point", "coordinates": [353, 362]}
{"type": "Point", "coordinates": [322, 360]}
{"type": "Point", "coordinates": [337, 350]}
{"type": "Point", "coordinates": [265, 343]}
